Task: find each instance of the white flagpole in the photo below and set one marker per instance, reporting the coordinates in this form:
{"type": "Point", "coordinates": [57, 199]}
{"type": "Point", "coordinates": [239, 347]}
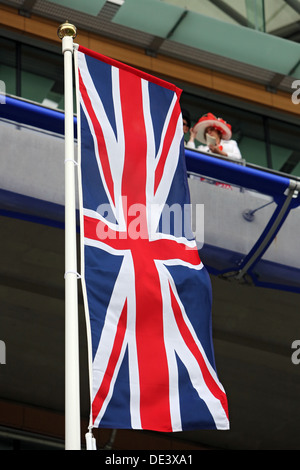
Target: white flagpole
{"type": "Point", "coordinates": [67, 32]}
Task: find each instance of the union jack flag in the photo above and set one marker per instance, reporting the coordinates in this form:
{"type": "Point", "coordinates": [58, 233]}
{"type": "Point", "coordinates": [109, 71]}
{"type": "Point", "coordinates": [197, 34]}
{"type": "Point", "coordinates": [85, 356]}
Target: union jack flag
{"type": "Point", "coordinates": [147, 293]}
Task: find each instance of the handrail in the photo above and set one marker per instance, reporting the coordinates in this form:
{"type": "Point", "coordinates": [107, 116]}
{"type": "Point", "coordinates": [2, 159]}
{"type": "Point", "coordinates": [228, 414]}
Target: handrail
{"type": "Point", "coordinates": [266, 238]}
{"type": "Point", "coordinates": [32, 114]}
{"type": "Point", "coordinates": [229, 172]}
{"type": "Point", "coordinates": [247, 164]}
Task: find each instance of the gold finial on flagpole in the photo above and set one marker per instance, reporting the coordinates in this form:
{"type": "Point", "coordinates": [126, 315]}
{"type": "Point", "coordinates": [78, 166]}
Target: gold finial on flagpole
{"type": "Point", "coordinates": [66, 29]}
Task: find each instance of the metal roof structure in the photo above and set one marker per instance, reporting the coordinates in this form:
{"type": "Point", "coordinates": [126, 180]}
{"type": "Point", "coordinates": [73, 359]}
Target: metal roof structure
{"type": "Point", "coordinates": [238, 37]}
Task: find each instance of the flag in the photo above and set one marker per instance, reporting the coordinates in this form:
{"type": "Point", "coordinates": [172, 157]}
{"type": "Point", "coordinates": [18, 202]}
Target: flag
{"type": "Point", "coordinates": [147, 293]}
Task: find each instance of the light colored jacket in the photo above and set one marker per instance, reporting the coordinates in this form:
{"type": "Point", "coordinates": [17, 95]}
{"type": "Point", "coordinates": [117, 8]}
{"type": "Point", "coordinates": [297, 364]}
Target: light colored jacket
{"type": "Point", "coordinates": [228, 146]}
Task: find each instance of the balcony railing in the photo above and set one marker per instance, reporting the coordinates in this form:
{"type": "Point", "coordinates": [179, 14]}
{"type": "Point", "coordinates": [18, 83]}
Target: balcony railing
{"type": "Point", "coordinates": [251, 214]}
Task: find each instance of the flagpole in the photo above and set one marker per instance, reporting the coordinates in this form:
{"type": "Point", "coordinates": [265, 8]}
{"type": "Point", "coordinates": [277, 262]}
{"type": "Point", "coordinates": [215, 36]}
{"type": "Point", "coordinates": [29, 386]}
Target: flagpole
{"type": "Point", "coordinates": [67, 32]}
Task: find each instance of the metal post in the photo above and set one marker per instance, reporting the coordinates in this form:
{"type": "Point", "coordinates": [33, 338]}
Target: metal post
{"type": "Point", "coordinates": [67, 32]}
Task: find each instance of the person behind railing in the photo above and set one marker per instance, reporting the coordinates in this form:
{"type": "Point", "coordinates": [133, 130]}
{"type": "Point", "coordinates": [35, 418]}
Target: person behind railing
{"type": "Point", "coordinates": [216, 134]}
{"type": "Point", "coordinates": [186, 121]}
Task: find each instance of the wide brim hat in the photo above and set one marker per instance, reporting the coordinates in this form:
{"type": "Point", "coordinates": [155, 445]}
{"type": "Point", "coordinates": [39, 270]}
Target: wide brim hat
{"type": "Point", "coordinates": [210, 120]}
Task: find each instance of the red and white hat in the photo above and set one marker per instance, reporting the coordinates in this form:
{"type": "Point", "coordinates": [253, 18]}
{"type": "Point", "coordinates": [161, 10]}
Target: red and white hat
{"type": "Point", "coordinates": [209, 120]}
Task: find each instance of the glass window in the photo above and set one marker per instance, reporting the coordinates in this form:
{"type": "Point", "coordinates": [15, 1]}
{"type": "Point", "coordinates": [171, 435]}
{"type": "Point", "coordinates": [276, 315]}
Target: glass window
{"type": "Point", "coordinates": [8, 65]}
{"type": "Point", "coordinates": [284, 141]}
{"type": "Point", "coordinates": [42, 76]}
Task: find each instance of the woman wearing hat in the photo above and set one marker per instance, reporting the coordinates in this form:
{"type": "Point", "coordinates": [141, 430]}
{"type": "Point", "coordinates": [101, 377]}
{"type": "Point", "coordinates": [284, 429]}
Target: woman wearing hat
{"type": "Point", "coordinates": [216, 134]}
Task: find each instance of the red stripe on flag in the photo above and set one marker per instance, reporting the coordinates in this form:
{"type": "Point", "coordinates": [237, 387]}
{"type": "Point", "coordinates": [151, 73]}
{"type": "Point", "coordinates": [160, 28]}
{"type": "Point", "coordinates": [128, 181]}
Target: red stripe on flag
{"type": "Point", "coordinates": [191, 344]}
{"type": "Point", "coordinates": [166, 146]}
{"type": "Point", "coordinates": [152, 359]}
{"type": "Point", "coordinates": [135, 139]}
{"type": "Point", "coordinates": [114, 357]}
{"type": "Point", "coordinates": [99, 136]}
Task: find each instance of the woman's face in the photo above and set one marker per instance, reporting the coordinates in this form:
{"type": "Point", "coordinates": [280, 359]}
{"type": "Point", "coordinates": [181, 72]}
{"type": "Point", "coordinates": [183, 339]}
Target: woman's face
{"type": "Point", "coordinates": [213, 132]}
